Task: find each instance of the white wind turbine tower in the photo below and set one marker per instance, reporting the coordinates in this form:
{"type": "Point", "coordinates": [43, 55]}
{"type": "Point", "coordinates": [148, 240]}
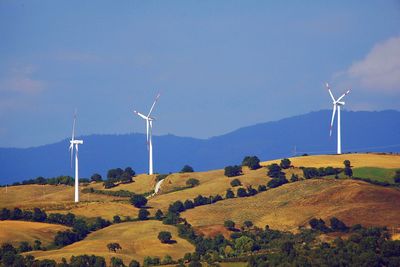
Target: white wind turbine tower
{"type": "Point", "coordinates": [74, 142]}
{"type": "Point", "coordinates": [149, 131]}
{"type": "Point", "coordinates": [336, 105]}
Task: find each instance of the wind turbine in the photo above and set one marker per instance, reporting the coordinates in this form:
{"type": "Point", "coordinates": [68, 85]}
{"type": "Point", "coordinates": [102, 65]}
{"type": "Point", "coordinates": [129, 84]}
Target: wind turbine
{"type": "Point", "coordinates": [336, 105]}
{"type": "Point", "coordinates": [149, 131]}
{"type": "Point", "coordinates": [75, 142]}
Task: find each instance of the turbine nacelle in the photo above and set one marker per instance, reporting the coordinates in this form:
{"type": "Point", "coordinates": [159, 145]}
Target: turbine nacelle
{"type": "Point", "coordinates": [76, 142]}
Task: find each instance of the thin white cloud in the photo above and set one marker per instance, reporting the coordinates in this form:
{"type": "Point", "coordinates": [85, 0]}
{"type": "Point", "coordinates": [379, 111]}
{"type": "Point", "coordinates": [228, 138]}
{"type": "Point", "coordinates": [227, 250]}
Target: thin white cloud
{"type": "Point", "coordinates": [380, 69]}
{"type": "Point", "coordinates": [19, 79]}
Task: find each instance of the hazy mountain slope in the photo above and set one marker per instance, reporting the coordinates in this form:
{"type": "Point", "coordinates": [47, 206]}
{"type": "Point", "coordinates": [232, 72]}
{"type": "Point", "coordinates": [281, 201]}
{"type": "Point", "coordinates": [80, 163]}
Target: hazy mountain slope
{"type": "Point", "coordinates": [362, 131]}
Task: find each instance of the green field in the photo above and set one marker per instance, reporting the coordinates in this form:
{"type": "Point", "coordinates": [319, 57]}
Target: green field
{"type": "Point", "coordinates": [374, 173]}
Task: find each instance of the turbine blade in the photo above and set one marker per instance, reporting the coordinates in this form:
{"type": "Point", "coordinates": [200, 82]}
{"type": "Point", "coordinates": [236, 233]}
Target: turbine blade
{"type": "Point", "coordinates": [333, 118]}
{"type": "Point", "coordinates": [147, 133]}
{"type": "Point", "coordinates": [140, 115]}
{"type": "Point", "coordinates": [330, 92]}
{"type": "Point", "coordinates": [347, 92]}
{"type": "Point", "coordinates": [154, 103]}
{"type": "Point", "coordinates": [71, 149]}
{"type": "Point", "coordinates": [73, 126]}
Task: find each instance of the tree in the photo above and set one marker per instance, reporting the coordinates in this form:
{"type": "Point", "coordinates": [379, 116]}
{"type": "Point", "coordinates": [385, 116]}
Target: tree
{"type": "Point", "coordinates": [167, 260]}
{"type": "Point", "coordinates": [159, 215]}
{"type": "Point", "coordinates": [318, 225]}
{"type": "Point", "coordinates": [285, 163]}
{"type": "Point", "coordinates": [149, 261]}
{"type": "Point", "coordinates": [396, 177]}
{"type": "Point", "coordinates": [24, 247]}
{"type": "Point", "coordinates": [96, 178]}
{"type": "Point", "coordinates": [187, 168]}
{"type": "Point", "coordinates": [231, 171]}
{"type": "Point", "coordinates": [114, 174]}
{"type": "Point", "coordinates": [241, 192]}
{"type": "Point", "coordinates": [176, 207]}
{"type": "Point", "coordinates": [116, 219]}
{"type": "Point", "coordinates": [5, 214]}
{"type": "Point", "coordinates": [347, 163]}
{"type": "Point", "coordinates": [138, 201]}
{"type": "Point", "coordinates": [287, 248]}
{"type": "Point", "coordinates": [188, 204]}
{"type": "Point", "coordinates": [348, 171]}
{"type": "Point", "coordinates": [262, 188]}
{"type": "Point", "coordinates": [252, 162]}
{"type": "Point", "coordinates": [37, 245]}
{"type": "Point", "coordinates": [143, 214]}
{"type": "Point", "coordinates": [235, 182]}
{"type": "Point", "coordinates": [128, 170]}
{"type": "Point", "coordinates": [248, 224]}
{"type": "Point", "coordinates": [195, 264]}
{"type": "Point", "coordinates": [229, 224]}
{"type": "Point", "coordinates": [80, 228]}
{"type": "Point", "coordinates": [192, 182]}
{"type": "Point", "coordinates": [251, 191]}
{"type": "Point", "coordinates": [229, 194]}
{"type": "Point", "coordinates": [244, 244]}
{"type": "Point", "coordinates": [117, 262]}
{"type": "Point", "coordinates": [39, 215]}
{"type": "Point", "coordinates": [294, 178]}
{"type": "Point", "coordinates": [275, 171]}
{"type": "Point", "coordinates": [276, 182]}
{"type": "Point", "coordinates": [113, 247]}
{"type": "Point", "coordinates": [171, 218]}
{"type": "Point", "coordinates": [134, 263]}
{"type": "Point", "coordinates": [16, 214]}
{"type": "Point", "coordinates": [164, 237]}
{"type": "Point", "coordinates": [126, 178]}
{"type": "Point", "coordinates": [108, 184]}
{"type": "Point", "coordinates": [338, 225]}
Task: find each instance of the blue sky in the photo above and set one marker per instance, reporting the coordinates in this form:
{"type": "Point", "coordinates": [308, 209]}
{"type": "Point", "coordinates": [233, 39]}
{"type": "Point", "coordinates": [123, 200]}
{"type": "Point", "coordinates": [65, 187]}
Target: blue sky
{"type": "Point", "coordinates": [219, 65]}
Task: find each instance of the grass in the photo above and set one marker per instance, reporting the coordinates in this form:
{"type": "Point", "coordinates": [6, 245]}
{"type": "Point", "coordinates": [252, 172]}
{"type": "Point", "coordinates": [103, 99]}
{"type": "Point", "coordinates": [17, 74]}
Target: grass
{"type": "Point", "coordinates": [106, 210]}
{"type": "Point", "coordinates": [294, 204]}
{"type": "Point", "coordinates": [211, 183]}
{"type": "Point", "coordinates": [143, 183]}
{"type": "Point", "coordinates": [16, 231]}
{"type": "Point", "coordinates": [374, 173]}
{"type": "Point", "coordinates": [357, 160]}
{"type": "Point", "coordinates": [284, 208]}
{"type": "Point", "coordinates": [45, 196]}
{"type": "Point", "coordinates": [137, 239]}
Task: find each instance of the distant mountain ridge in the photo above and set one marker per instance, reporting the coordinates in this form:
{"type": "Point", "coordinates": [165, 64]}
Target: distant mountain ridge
{"type": "Point", "coordinates": [362, 131]}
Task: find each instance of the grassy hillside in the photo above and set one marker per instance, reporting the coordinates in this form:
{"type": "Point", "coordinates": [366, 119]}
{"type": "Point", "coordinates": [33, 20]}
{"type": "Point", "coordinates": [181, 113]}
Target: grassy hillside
{"type": "Point", "coordinates": [294, 204]}
{"type": "Point", "coordinates": [44, 196]}
{"type": "Point", "coordinates": [374, 173]}
{"type": "Point", "coordinates": [143, 183]}
{"type": "Point", "coordinates": [357, 160]}
{"type": "Point", "coordinates": [211, 183]}
{"type": "Point", "coordinates": [106, 210]}
{"type": "Point", "coordinates": [16, 231]}
{"type": "Point", "coordinates": [137, 239]}
{"type": "Point", "coordinates": [285, 208]}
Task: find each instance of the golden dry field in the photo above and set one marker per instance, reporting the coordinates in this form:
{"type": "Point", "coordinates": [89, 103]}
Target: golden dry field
{"type": "Point", "coordinates": [357, 160]}
{"type": "Point", "coordinates": [286, 207]}
{"type": "Point", "coordinates": [45, 196]}
{"type": "Point", "coordinates": [143, 183]}
{"type": "Point", "coordinates": [106, 210]}
{"type": "Point", "coordinates": [16, 231]}
{"type": "Point", "coordinates": [211, 183]}
{"type": "Point", "coordinates": [294, 204]}
{"type": "Point", "coordinates": [137, 239]}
